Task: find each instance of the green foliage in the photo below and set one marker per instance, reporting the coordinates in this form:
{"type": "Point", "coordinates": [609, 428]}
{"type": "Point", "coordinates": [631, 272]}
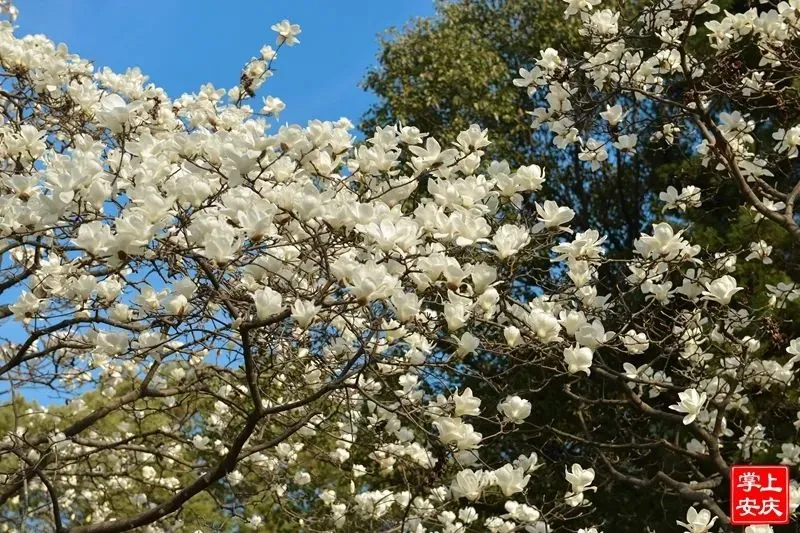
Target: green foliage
{"type": "Point", "coordinates": [446, 73]}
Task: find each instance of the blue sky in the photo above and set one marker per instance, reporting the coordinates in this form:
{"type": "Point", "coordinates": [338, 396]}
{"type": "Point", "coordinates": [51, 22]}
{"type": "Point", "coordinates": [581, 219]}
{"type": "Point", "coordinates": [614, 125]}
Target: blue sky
{"type": "Point", "coordinates": [182, 44]}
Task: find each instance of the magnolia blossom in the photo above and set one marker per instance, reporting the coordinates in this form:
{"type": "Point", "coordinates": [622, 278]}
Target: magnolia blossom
{"type": "Point", "coordinates": [466, 403]}
{"type": "Point", "coordinates": [470, 484]}
{"type": "Point", "coordinates": [580, 480]}
{"type": "Point", "coordinates": [688, 197]}
{"type": "Point", "coordinates": [594, 153]}
{"type": "Point", "coordinates": [521, 512]}
{"type": "Point", "coordinates": [613, 114]}
{"type": "Point", "coordinates": [287, 32]}
{"type": "Point", "coordinates": [468, 343]}
{"type": "Point", "coordinates": [554, 216]}
{"type": "Point", "coordinates": [510, 239]}
{"type": "Point", "coordinates": [512, 335]}
{"type": "Point", "coordinates": [304, 312]}
{"type": "Point", "coordinates": [268, 302]}
{"type": "Point", "coordinates": [789, 140]}
{"type": "Point", "coordinates": [626, 143]}
{"type": "Point", "coordinates": [691, 403]}
{"type": "Point", "coordinates": [510, 480]}
{"type": "Point", "coordinates": [634, 342]}
{"type": "Point", "coordinates": [697, 522]}
{"type": "Point", "coordinates": [721, 290]}
{"type": "Point", "coordinates": [578, 359]}
{"type": "Point", "coordinates": [302, 478]}
{"type": "Point", "coordinates": [760, 251]}
{"type": "Point", "coordinates": [273, 106]}
{"type": "Point", "coordinates": [455, 431]}
{"type": "Point", "coordinates": [515, 409]}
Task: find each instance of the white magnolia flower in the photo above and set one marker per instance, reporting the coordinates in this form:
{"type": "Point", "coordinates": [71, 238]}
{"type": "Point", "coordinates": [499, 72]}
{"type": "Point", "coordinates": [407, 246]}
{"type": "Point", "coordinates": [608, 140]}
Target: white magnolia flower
{"type": "Point", "coordinates": [551, 215]}
{"type": "Point", "coordinates": [148, 473]}
{"type": "Point", "coordinates": [578, 359]}
{"type": "Point", "coordinates": [691, 403]}
{"type": "Point", "coordinates": [235, 477]}
{"type": "Point", "coordinates": [510, 480]}
{"type": "Point", "coordinates": [512, 335]}
{"type": "Point", "coordinates": [467, 344]}
{"type": "Point", "coordinates": [760, 251]}
{"type": "Point", "coordinates": [273, 106]}
{"type": "Point", "coordinates": [634, 342]}
{"type": "Point", "coordinates": [580, 478]}
{"type": "Point", "coordinates": [466, 404]}
{"type": "Point", "coordinates": [515, 409]}
{"type": "Point", "coordinates": [580, 481]}
{"type": "Point", "coordinates": [510, 239]}
{"type": "Point", "coordinates": [304, 312]}
{"type": "Point", "coordinates": [688, 197]}
{"type": "Point", "coordinates": [470, 484]}
{"type": "Point", "coordinates": [287, 32]}
{"type": "Point", "coordinates": [613, 114]}
{"type": "Point", "coordinates": [455, 431]}
{"type": "Point", "coordinates": [721, 290]}
{"type": "Point", "coordinates": [698, 522]}
{"type": "Point", "coordinates": [268, 303]}
{"type": "Point", "coordinates": [626, 143]}
{"type": "Point", "coordinates": [520, 512]}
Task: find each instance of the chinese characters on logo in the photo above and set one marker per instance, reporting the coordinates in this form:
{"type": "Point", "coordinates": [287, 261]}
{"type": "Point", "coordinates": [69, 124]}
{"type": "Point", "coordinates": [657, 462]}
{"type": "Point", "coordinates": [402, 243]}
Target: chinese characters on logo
{"type": "Point", "coordinates": [759, 495]}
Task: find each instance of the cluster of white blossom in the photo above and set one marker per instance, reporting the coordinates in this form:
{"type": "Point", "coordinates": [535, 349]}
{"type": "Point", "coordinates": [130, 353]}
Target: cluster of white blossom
{"type": "Point", "coordinates": [600, 107]}
{"type": "Point", "coordinates": [223, 305]}
{"type": "Point", "coordinates": [289, 317]}
{"type": "Point", "coordinates": [637, 62]}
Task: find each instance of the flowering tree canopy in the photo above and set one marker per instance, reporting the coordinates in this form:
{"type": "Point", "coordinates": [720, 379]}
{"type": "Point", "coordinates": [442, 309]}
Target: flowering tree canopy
{"type": "Point", "coordinates": [291, 326]}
